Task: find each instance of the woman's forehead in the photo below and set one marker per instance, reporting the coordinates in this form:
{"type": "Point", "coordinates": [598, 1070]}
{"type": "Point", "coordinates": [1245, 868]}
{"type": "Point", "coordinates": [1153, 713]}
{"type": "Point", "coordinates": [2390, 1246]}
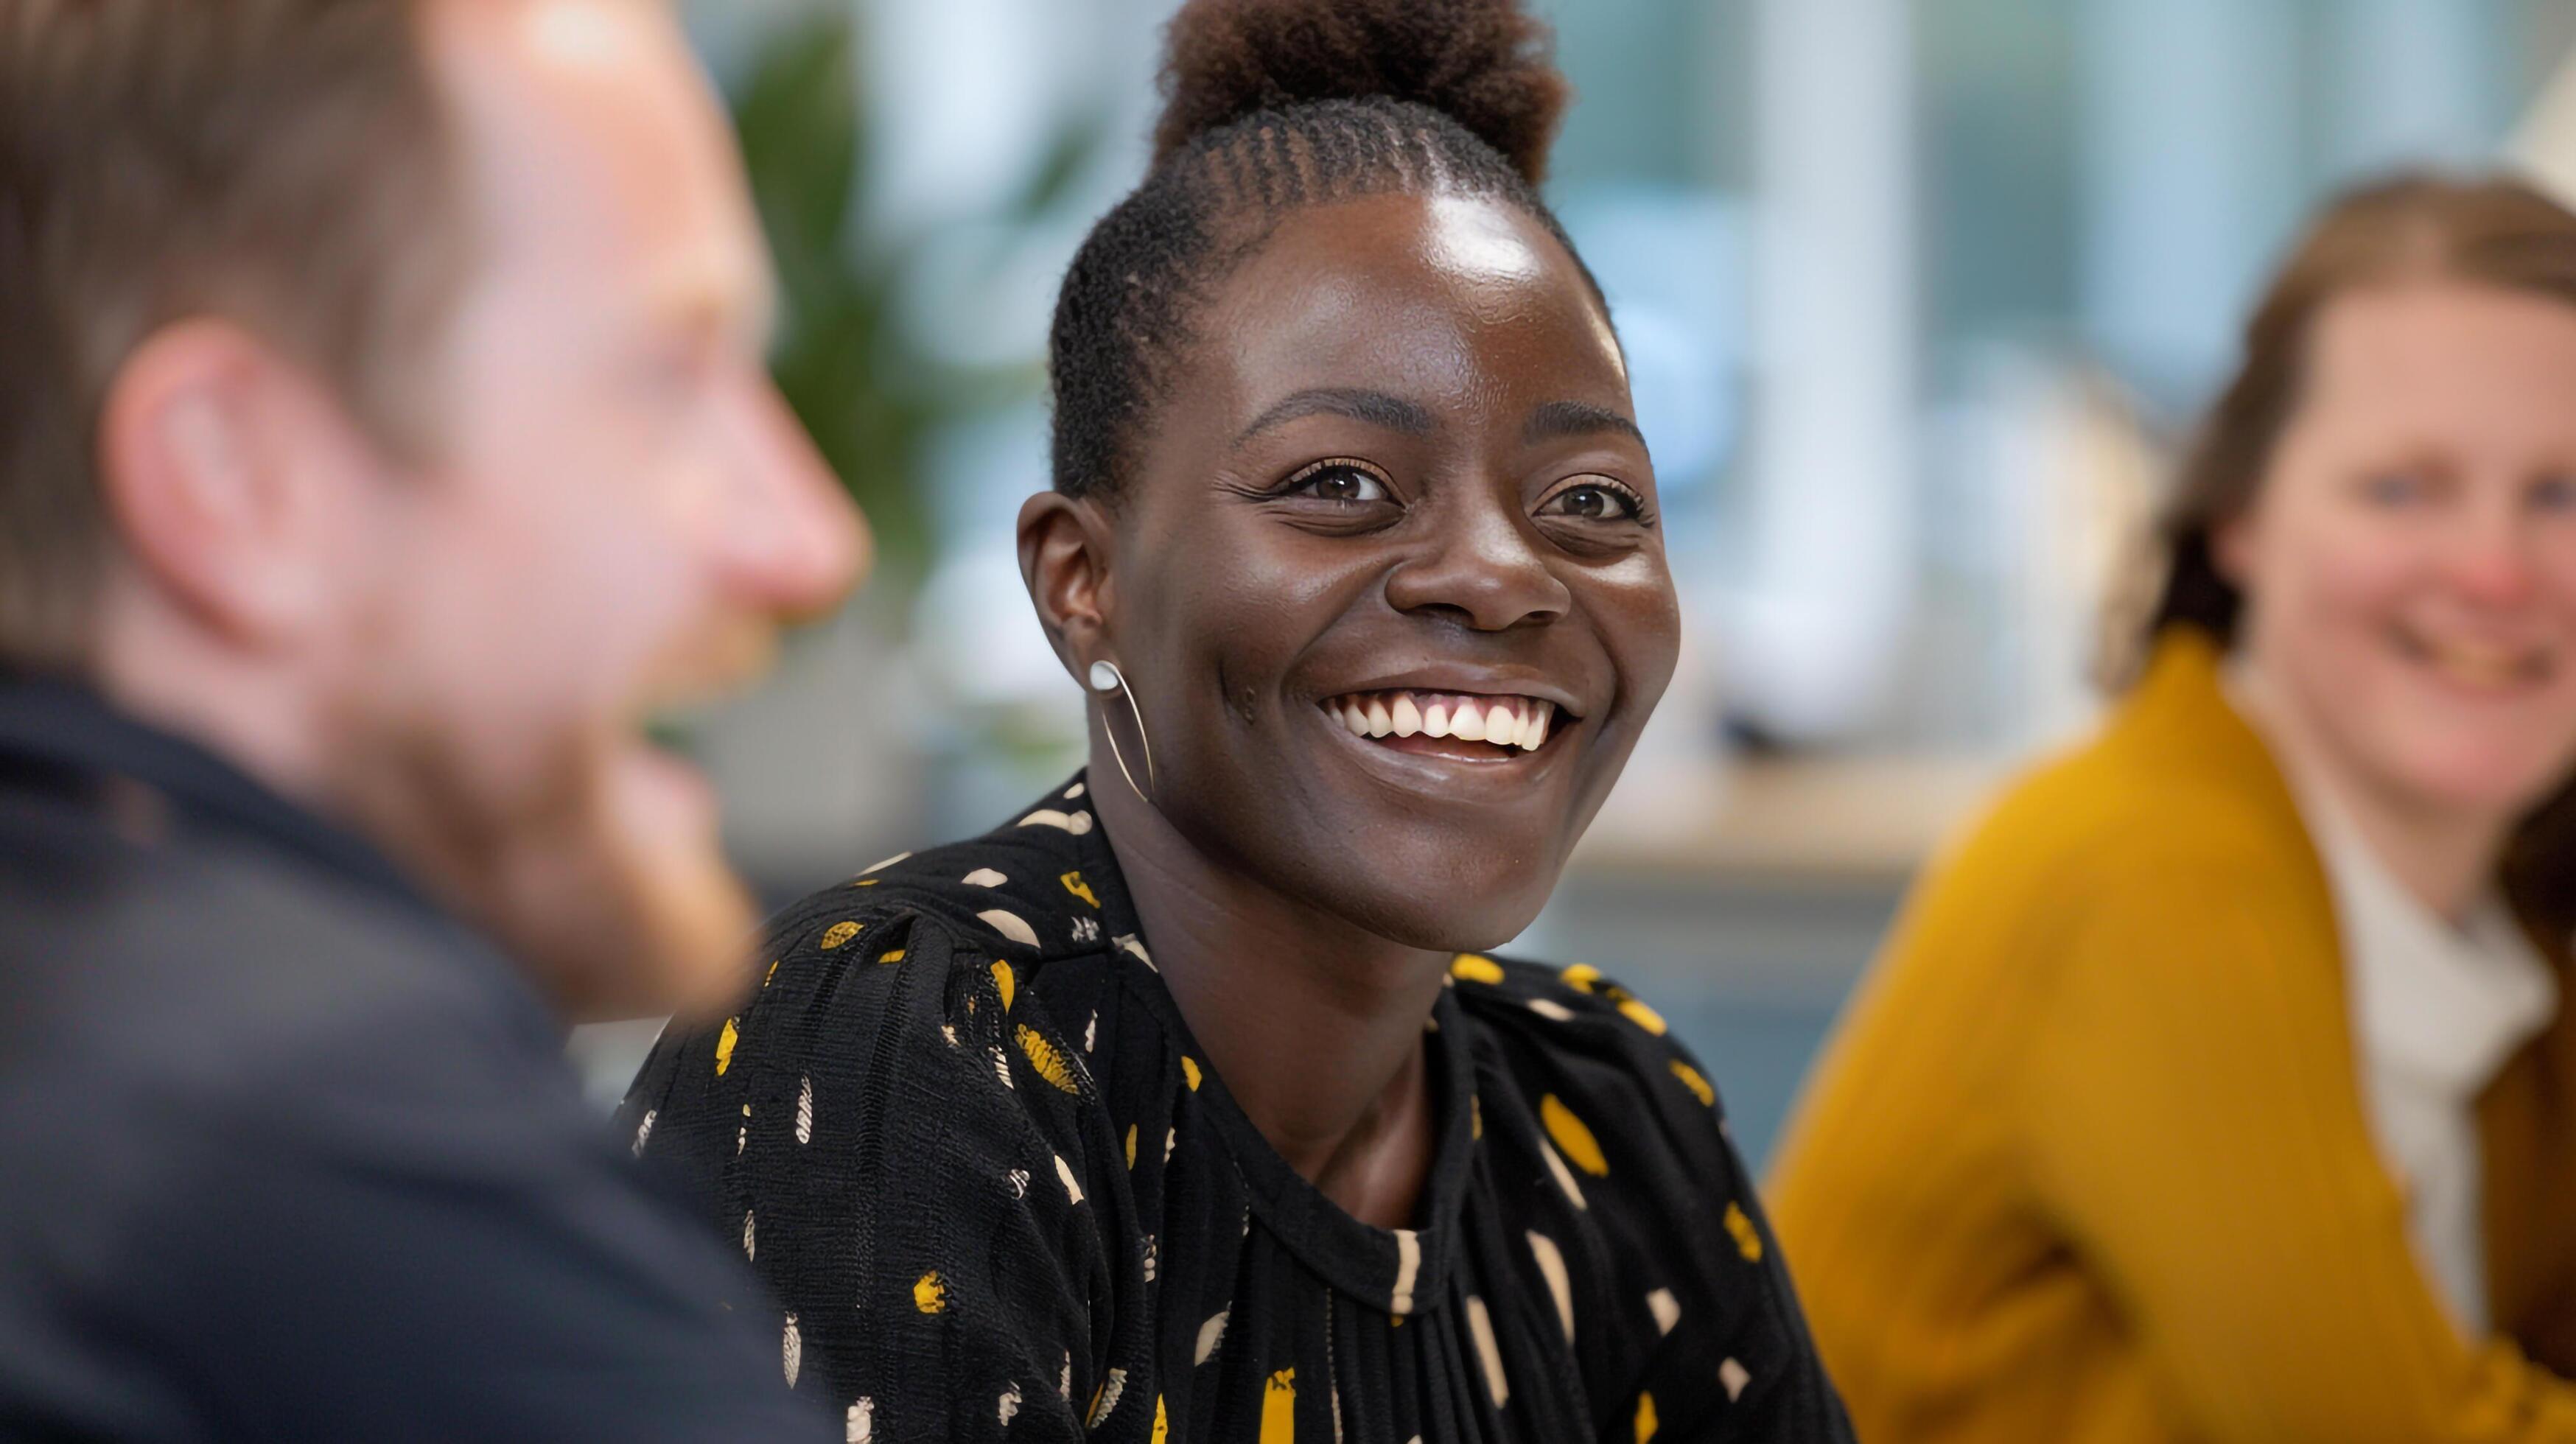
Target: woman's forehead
{"type": "Point", "coordinates": [2478, 371]}
{"type": "Point", "coordinates": [1439, 298]}
{"type": "Point", "coordinates": [1478, 241]}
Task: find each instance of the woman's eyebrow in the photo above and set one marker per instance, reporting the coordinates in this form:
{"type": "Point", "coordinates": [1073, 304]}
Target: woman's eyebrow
{"type": "Point", "coordinates": [1376, 408]}
{"type": "Point", "coordinates": [1556, 419]}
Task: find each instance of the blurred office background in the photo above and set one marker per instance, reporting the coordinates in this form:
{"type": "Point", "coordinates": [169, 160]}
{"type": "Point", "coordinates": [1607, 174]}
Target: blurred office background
{"type": "Point", "coordinates": [1918, 296]}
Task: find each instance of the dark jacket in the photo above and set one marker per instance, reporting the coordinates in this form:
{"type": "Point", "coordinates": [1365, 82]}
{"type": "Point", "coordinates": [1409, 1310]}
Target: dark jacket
{"type": "Point", "coordinates": [287, 1153]}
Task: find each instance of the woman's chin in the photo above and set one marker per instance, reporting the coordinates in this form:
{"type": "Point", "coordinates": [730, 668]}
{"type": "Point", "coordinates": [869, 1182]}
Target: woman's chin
{"type": "Point", "coordinates": [1450, 918]}
{"type": "Point", "coordinates": [2501, 778]}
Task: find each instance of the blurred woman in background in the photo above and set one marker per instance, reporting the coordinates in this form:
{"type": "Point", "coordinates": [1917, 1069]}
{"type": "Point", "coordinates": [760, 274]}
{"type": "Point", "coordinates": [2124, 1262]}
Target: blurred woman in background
{"type": "Point", "coordinates": [1171, 1109]}
{"type": "Point", "coordinates": [2219, 1087]}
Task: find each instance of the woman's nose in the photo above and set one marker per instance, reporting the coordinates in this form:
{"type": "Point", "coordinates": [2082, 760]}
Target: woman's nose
{"type": "Point", "coordinates": [2491, 559]}
{"type": "Point", "coordinates": [1484, 569]}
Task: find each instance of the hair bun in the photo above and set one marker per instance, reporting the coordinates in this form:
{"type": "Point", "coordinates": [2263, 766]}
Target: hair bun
{"type": "Point", "coordinates": [1483, 63]}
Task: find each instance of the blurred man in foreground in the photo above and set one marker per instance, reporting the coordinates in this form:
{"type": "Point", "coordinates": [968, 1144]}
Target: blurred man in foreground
{"type": "Point", "coordinates": [383, 441]}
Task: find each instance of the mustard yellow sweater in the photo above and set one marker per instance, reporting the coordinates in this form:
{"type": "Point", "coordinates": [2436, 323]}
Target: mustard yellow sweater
{"type": "Point", "coordinates": [2087, 1160]}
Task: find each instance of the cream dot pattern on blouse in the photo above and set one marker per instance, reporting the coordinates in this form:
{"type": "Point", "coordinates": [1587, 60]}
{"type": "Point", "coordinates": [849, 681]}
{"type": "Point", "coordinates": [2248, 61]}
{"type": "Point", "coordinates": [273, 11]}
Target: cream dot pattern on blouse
{"type": "Point", "coordinates": [1024, 947]}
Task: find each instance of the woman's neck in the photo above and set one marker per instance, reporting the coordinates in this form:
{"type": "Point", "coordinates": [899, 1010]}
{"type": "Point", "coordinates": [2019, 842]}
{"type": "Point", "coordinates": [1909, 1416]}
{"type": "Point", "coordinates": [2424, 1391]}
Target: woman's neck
{"type": "Point", "coordinates": [2444, 858]}
{"type": "Point", "coordinates": [1315, 1025]}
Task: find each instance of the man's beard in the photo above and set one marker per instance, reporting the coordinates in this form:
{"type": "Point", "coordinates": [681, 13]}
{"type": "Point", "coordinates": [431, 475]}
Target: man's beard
{"type": "Point", "coordinates": [595, 864]}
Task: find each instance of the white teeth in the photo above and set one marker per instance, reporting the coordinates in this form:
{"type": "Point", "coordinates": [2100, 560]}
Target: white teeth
{"type": "Point", "coordinates": [1521, 722]}
{"type": "Point", "coordinates": [2486, 666]}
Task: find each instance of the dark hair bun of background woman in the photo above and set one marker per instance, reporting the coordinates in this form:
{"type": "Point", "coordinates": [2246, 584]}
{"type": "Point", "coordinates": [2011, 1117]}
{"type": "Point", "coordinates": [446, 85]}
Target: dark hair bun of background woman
{"type": "Point", "coordinates": [1483, 63]}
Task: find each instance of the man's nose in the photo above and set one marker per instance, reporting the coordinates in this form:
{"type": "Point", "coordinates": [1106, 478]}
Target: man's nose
{"type": "Point", "coordinates": [792, 543]}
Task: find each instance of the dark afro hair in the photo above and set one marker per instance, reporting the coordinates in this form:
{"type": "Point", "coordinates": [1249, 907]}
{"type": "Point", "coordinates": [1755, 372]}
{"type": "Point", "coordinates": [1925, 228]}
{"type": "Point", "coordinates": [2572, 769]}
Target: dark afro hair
{"type": "Point", "coordinates": [1482, 63]}
{"type": "Point", "coordinates": [1270, 106]}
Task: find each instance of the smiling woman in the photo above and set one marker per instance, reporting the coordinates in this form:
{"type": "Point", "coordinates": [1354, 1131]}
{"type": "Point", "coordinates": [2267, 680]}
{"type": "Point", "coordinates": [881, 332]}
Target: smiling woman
{"type": "Point", "coordinates": [2219, 1086]}
{"type": "Point", "coordinates": [1187, 1106]}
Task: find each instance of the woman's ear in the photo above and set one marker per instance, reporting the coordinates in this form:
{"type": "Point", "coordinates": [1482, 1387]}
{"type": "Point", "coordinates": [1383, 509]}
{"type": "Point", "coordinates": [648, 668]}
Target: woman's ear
{"type": "Point", "coordinates": [1064, 559]}
{"type": "Point", "coordinates": [2235, 548]}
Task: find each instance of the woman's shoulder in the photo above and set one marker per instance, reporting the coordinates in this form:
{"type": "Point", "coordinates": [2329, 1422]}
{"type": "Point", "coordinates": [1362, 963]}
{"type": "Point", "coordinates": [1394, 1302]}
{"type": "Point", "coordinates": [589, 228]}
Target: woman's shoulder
{"type": "Point", "coordinates": [2101, 803]}
{"type": "Point", "coordinates": [2173, 784]}
{"type": "Point", "coordinates": [898, 1050]}
{"type": "Point", "coordinates": [1573, 1000]}
{"type": "Point", "coordinates": [1023, 887]}
{"type": "Point", "coordinates": [2112, 829]}
{"type": "Point", "coordinates": [2148, 852]}
{"type": "Point", "coordinates": [1575, 1035]}
{"type": "Point", "coordinates": [911, 978]}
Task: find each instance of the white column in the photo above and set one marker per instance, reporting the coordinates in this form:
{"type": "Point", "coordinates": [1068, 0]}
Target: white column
{"type": "Point", "coordinates": [2190, 178]}
{"type": "Point", "coordinates": [1810, 644]}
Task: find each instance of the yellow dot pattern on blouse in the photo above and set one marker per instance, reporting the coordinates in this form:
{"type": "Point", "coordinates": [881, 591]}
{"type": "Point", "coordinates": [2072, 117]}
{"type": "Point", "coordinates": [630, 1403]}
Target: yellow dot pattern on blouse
{"type": "Point", "coordinates": [1279, 1408]}
{"type": "Point", "coordinates": [1049, 1061]}
{"type": "Point", "coordinates": [1259, 1388]}
{"type": "Point", "coordinates": [1748, 1240]}
{"type": "Point", "coordinates": [1698, 1085]}
{"type": "Point", "coordinates": [1643, 1016]}
{"type": "Point", "coordinates": [1573, 1138]}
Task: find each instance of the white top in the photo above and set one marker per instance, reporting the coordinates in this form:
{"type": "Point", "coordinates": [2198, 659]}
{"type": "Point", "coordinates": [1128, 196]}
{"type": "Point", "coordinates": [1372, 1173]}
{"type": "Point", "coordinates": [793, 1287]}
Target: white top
{"type": "Point", "coordinates": [2437, 1010]}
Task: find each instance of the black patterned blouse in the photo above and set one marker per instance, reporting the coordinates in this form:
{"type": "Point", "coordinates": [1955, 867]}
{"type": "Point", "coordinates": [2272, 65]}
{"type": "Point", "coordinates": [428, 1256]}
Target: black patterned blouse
{"type": "Point", "coordinates": [964, 1135]}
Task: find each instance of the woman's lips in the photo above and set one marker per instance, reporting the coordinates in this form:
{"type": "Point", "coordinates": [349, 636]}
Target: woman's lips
{"type": "Point", "coordinates": [2478, 666]}
{"type": "Point", "coordinates": [1474, 725]}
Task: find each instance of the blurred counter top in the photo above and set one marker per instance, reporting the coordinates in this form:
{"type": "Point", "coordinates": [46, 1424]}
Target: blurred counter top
{"type": "Point", "coordinates": [1860, 820]}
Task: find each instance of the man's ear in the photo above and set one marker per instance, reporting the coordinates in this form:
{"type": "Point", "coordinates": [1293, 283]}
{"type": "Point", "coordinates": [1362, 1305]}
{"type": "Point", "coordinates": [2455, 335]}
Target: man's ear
{"type": "Point", "coordinates": [1064, 558]}
{"type": "Point", "coordinates": [224, 468]}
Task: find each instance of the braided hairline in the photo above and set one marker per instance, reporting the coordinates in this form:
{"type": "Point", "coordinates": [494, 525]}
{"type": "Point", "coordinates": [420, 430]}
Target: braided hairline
{"type": "Point", "coordinates": [1122, 321]}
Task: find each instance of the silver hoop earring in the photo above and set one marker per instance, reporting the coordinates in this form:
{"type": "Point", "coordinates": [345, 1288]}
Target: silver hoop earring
{"type": "Point", "coordinates": [1106, 678]}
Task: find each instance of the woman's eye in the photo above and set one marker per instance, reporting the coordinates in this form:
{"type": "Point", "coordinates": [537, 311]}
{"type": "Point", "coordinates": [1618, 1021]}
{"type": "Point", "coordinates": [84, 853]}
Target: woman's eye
{"type": "Point", "coordinates": [1344, 484]}
{"type": "Point", "coordinates": [1594, 501]}
{"type": "Point", "coordinates": [2396, 488]}
{"type": "Point", "coordinates": [2554, 494]}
